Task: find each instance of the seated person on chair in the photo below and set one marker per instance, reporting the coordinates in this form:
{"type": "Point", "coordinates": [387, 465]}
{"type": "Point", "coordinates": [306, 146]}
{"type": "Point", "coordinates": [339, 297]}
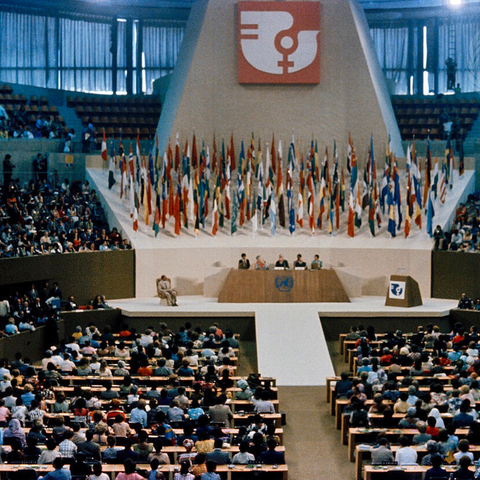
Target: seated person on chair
{"type": "Point", "coordinates": [299, 263]}
{"type": "Point", "coordinates": [260, 263]}
{"type": "Point", "coordinates": [165, 290]}
{"type": "Point", "coordinates": [281, 262]}
{"type": "Point", "coordinates": [317, 263]}
{"type": "Point", "coordinates": [244, 262]}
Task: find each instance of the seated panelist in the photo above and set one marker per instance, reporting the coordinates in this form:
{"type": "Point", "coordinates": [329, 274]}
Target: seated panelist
{"type": "Point", "coordinates": [281, 262]}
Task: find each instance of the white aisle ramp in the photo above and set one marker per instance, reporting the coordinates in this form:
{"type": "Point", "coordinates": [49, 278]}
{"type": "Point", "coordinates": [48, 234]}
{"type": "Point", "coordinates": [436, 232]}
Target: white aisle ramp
{"type": "Point", "coordinates": [291, 345]}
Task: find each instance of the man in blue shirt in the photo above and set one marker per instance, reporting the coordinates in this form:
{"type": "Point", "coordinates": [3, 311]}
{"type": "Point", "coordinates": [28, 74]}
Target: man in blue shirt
{"type": "Point", "coordinates": [210, 473]}
{"type": "Point", "coordinates": [139, 415]}
{"type": "Point", "coordinates": [59, 473]}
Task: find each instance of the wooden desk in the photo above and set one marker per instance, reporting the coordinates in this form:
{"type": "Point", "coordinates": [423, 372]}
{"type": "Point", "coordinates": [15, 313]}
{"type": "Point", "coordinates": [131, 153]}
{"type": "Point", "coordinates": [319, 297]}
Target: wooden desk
{"type": "Point", "coordinates": [392, 434]}
{"type": "Point", "coordinates": [361, 454]}
{"type": "Point", "coordinates": [414, 472]}
{"type": "Point", "coordinates": [168, 470]}
{"type": "Point", "coordinates": [282, 286]}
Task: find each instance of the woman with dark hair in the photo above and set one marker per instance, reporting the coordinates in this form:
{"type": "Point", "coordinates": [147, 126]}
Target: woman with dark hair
{"type": "Point", "coordinates": [184, 473]}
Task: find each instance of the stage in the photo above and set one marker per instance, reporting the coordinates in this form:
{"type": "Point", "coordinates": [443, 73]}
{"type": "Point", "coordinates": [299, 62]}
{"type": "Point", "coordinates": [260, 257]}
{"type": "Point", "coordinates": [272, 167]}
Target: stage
{"type": "Point", "coordinates": [291, 343]}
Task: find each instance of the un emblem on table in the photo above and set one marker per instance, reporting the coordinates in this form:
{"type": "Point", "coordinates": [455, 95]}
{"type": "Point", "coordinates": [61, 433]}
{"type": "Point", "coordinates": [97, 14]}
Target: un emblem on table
{"type": "Point", "coordinates": [284, 283]}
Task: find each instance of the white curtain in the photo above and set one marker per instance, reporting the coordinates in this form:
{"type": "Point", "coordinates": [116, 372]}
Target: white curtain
{"type": "Point", "coordinates": [467, 54]}
{"type": "Point", "coordinates": [160, 49]}
{"type": "Point", "coordinates": [391, 45]}
{"type": "Point", "coordinates": [23, 58]}
{"type": "Point", "coordinates": [86, 60]}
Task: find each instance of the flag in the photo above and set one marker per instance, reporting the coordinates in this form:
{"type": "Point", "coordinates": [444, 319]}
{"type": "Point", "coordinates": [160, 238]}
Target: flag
{"type": "Point", "coordinates": [104, 147]}
{"type": "Point", "coordinates": [281, 209]}
{"type": "Point", "coordinates": [273, 216]}
{"type": "Point", "coordinates": [290, 195]}
{"type": "Point", "coordinates": [233, 226]}
{"type": "Point", "coordinates": [409, 204]}
{"type": "Point", "coordinates": [311, 203]}
{"type": "Point", "coordinates": [371, 190]}
{"type": "Point", "coordinates": [430, 213]}
{"type": "Point", "coordinates": [384, 186]}
{"type": "Point", "coordinates": [392, 227]}
{"type": "Point", "coordinates": [428, 168]}
{"type": "Point", "coordinates": [194, 152]}
{"type": "Point", "coordinates": [442, 193]}
{"type": "Point", "coordinates": [300, 208]}
{"type": "Point", "coordinates": [178, 220]}
{"type": "Point", "coordinates": [449, 162]}
{"type": "Point", "coordinates": [435, 178]}
{"type": "Point", "coordinates": [353, 193]}
{"type": "Point", "coordinates": [215, 216]}
{"type": "Point", "coordinates": [397, 198]}
{"type": "Point", "coordinates": [111, 169]}
{"type": "Point", "coordinates": [157, 217]}
{"type": "Point", "coordinates": [349, 153]}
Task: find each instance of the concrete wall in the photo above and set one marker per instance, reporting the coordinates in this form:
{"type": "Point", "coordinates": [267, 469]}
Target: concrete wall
{"type": "Point", "coordinates": [205, 96]}
{"type": "Point", "coordinates": [83, 275]}
{"type": "Point", "coordinates": [187, 267]}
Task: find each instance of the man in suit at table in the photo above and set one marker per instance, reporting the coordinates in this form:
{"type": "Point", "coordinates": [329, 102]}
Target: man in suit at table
{"type": "Point", "coordinates": [244, 262]}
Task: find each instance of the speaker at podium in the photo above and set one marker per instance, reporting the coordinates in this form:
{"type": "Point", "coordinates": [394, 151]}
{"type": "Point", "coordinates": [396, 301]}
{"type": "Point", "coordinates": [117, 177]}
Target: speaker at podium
{"type": "Point", "coordinates": [403, 291]}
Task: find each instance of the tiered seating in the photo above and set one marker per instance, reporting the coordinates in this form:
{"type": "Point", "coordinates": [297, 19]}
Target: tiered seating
{"type": "Point", "coordinates": [242, 413]}
{"type": "Point", "coordinates": [446, 373]}
{"type": "Point", "coordinates": [34, 108]}
{"type": "Point", "coordinates": [417, 116]}
{"type": "Point", "coordinates": [119, 115]}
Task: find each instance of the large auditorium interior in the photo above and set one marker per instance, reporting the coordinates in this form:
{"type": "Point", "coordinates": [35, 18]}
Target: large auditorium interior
{"type": "Point", "coordinates": [276, 210]}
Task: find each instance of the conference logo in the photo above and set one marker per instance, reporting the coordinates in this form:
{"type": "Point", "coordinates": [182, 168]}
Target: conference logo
{"type": "Point", "coordinates": [397, 290]}
{"type": "Point", "coordinates": [278, 42]}
{"type": "Point", "coordinates": [284, 283]}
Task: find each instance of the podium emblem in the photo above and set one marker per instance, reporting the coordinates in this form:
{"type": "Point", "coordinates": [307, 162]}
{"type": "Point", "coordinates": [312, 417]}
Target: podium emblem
{"type": "Point", "coordinates": [397, 290]}
{"type": "Point", "coordinates": [284, 283]}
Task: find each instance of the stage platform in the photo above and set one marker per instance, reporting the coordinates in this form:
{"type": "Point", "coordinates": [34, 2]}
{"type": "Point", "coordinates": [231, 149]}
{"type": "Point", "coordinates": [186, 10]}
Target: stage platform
{"type": "Point", "coordinates": [365, 261]}
{"type": "Point", "coordinates": [291, 343]}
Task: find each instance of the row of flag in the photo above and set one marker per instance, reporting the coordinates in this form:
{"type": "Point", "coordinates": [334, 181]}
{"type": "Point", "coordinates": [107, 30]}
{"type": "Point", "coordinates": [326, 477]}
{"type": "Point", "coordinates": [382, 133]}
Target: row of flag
{"type": "Point", "coordinates": [265, 187]}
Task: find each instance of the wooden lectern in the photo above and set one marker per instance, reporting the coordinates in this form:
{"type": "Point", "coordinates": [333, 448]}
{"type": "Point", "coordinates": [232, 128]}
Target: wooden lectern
{"type": "Point", "coordinates": [403, 292]}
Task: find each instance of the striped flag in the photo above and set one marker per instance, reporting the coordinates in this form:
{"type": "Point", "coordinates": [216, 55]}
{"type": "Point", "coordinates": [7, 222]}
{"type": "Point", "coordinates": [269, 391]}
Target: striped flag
{"type": "Point", "coordinates": [111, 169]}
{"type": "Point", "coordinates": [104, 147]}
{"type": "Point", "coordinates": [215, 216]}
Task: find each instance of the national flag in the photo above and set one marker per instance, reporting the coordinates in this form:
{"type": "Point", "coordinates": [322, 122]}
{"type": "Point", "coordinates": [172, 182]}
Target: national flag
{"type": "Point", "coordinates": [428, 173]}
{"type": "Point", "coordinates": [104, 147]}
{"type": "Point", "coordinates": [435, 178]}
{"type": "Point", "coordinates": [300, 208]}
{"type": "Point", "coordinates": [371, 189]}
{"type": "Point", "coordinates": [178, 219]}
{"type": "Point", "coordinates": [442, 192]}
{"type": "Point", "coordinates": [233, 225]}
{"type": "Point", "coordinates": [430, 213]}
{"type": "Point", "coordinates": [214, 154]}
{"type": "Point", "coordinates": [281, 209]}
{"type": "Point", "coordinates": [279, 171]}
{"type": "Point", "coordinates": [157, 217]}
{"type": "Point", "coordinates": [449, 162]}
{"type": "Point", "coordinates": [290, 199]}
{"type": "Point", "coordinates": [392, 227]}
{"type": "Point", "coordinates": [397, 198]}
{"type": "Point", "coordinates": [215, 216]}
{"type": "Point", "coordinates": [321, 200]}
{"type": "Point", "coordinates": [349, 153]}
{"type": "Point", "coordinates": [409, 200]}
{"type": "Point", "coordinates": [311, 202]}
{"type": "Point", "coordinates": [111, 169]}
{"type": "Point", "coordinates": [273, 216]}
{"type": "Point", "coordinates": [416, 188]}
{"type": "Point", "coordinates": [385, 182]}
{"type": "Point", "coordinates": [131, 182]}
{"type": "Point", "coordinates": [353, 193]}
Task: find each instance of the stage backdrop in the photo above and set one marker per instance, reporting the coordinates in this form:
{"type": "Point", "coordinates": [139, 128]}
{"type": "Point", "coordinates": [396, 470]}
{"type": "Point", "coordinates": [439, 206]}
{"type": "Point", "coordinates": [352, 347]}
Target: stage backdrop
{"type": "Point", "coordinates": [205, 95]}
